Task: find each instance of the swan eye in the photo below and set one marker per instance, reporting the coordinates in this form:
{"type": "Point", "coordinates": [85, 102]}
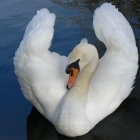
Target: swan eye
{"type": "Point", "coordinates": [71, 66]}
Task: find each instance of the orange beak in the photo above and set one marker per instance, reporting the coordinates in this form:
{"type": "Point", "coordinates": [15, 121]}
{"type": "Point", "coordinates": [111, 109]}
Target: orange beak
{"type": "Point", "coordinates": [72, 77]}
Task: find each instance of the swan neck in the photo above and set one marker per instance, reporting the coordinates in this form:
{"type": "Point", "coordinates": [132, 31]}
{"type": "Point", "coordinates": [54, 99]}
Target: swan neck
{"type": "Point", "coordinates": [83, 79]}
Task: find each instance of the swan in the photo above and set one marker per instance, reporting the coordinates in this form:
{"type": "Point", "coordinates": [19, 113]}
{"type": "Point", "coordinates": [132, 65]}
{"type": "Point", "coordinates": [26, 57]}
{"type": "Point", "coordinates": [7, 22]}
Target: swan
{"type": "Point", "coordinates": [76, 92]}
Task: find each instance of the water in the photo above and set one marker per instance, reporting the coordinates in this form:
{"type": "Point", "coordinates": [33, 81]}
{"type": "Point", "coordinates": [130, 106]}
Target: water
{"type": "Point", "coordinates": [74, 21]}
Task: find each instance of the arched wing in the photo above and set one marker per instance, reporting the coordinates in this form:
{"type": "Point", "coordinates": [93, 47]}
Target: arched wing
{"type": "Point", "coordinates": [41, 73]}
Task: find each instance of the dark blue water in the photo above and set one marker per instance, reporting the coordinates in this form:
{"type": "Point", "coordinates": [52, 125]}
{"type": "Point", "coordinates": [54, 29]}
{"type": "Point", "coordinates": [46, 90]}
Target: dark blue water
{"type": "Point", "coordinates": [74, 21]}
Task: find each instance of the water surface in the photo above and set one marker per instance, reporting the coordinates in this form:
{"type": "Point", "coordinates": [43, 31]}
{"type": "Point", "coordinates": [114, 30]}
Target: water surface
{"type": "Point", "coordinates": [73, 22]}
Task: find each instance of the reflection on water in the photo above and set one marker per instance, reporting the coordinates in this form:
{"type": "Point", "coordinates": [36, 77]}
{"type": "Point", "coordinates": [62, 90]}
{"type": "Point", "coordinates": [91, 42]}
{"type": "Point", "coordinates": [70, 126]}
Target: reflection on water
{"type": "Point", "coordinates": [73, 22]}
{"type": "Point", "coordinates": [38, 128]}
{"type": "Point", "coordinates": [123, 124]}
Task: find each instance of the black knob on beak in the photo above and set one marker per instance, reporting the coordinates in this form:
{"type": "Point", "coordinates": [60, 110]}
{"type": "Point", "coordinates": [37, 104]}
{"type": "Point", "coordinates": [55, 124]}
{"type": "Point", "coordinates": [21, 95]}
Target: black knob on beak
{"type": "Point", "coordinates": [72, 65]}
{"type": "Point", "coordinates": [68, 69]}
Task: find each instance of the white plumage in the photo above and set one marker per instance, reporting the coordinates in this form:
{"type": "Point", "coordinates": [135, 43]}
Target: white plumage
{"type": "Point", "coordinates": [107, 83]}
{"type": "Point", "coordinates": [37, 68]}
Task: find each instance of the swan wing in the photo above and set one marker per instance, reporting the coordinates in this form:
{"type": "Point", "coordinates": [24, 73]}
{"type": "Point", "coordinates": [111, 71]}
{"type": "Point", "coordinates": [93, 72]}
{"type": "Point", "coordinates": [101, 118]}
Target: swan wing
{"type": "Point", "coordinates": [114, 77]}
{"type": "Point", "coordinates": [41, 73]}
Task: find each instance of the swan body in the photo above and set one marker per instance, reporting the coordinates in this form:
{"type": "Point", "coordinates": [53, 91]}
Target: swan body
{"type": "Point", "coordinates": [96, 87]}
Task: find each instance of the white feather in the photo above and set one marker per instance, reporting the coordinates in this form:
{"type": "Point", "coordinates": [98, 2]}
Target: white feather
{"type": "Point", "coordinates": [42, 77]}
{"type": "Point", "coordinates": [38, 69]}
{"type": "Point", "coordinates": [115, 75]}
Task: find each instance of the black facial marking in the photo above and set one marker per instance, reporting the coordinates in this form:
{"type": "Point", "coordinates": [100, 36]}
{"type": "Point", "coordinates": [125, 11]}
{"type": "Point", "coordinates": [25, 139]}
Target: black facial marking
{"type": "Point", "coordinates": [68, 88]}
{"type": "Point", "coordinates": [72, 65]}
{"type": "Point", "coordinates": [68, 70]}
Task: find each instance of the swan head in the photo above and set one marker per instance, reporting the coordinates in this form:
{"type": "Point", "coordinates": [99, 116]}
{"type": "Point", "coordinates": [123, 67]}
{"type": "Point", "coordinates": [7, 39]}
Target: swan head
{"type": "Point", "coordinates": [82, 55]}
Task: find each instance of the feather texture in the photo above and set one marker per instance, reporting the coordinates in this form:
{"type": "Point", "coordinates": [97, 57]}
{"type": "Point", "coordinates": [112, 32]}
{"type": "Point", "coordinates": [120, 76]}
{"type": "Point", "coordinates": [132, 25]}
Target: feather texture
{"type": "Point", "coordinates": [37, 68]}
{"type": "Point", "coordinates": [42, 77]}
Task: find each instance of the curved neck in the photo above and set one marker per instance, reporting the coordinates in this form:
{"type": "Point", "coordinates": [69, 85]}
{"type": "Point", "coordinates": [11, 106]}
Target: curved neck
{"type": "Point", "coordinates": [81, 85]}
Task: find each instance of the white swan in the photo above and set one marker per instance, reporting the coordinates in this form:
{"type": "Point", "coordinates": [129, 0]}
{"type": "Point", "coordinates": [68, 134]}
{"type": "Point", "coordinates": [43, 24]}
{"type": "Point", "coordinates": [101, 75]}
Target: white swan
{"type": "Point", "coordinates": [97, 88]}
